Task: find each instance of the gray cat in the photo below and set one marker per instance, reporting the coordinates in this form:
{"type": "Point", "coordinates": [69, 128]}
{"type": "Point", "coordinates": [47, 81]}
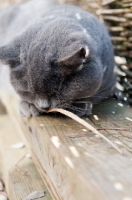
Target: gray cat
{"type": "Point", "coordinates": [55, 56]}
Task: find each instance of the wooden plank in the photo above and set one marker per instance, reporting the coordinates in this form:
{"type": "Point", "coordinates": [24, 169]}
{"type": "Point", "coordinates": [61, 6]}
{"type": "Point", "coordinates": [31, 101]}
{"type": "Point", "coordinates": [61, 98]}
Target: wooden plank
{"type": "Point", "coordinates": [18, 186]}
{"type": "Point", "coordinates": [79, 164]}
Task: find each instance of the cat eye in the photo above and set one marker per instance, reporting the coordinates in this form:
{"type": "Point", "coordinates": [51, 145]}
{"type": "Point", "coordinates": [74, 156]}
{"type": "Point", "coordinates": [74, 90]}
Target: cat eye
{"type": "Point", "coordinates": [53, 62]}
{"type": "Point", "coordinates": [14, 64]}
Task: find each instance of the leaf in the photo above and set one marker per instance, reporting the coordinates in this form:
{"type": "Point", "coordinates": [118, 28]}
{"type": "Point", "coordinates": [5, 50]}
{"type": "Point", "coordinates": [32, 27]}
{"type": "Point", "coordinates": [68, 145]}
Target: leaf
{"type": "Point", "coordinates": [36, 195]}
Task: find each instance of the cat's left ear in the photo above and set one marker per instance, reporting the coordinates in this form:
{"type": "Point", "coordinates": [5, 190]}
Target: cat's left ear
{"type": "Point", "coordinates": [75, 58]}
{"type": "Point", "coordinates": [10, 52]}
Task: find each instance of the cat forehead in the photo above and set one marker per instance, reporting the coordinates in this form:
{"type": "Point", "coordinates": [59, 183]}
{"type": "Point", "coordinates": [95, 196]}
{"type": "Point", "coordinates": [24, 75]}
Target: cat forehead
{"type": "Point", "coordinates": [57, 25]}
{"type": "Point", "coordinates": [54, 34]}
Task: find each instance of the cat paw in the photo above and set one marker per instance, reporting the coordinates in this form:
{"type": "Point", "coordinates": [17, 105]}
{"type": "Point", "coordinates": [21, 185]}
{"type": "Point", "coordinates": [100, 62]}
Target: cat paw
{"type": "Point", "coordinates": [27, 110]}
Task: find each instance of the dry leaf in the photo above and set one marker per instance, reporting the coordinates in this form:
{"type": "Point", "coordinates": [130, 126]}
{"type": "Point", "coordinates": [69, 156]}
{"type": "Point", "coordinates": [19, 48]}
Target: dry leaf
{"type": "Point", "coordinates": [18, 145]}
{"type": "Point", "coordinates": [36, 195]}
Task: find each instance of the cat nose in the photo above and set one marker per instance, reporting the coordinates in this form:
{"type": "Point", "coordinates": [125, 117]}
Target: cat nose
{"type": "Point", "coordinates": [43, 104]}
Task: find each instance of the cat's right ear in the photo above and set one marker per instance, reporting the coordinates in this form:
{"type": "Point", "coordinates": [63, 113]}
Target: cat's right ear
{"type": "Point", "coordinates": [10, 52]}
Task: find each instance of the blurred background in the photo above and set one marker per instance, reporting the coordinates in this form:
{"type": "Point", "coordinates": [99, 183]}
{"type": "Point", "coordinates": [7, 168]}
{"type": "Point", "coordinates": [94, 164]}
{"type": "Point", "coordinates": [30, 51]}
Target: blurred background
{"type": "Point", "coordinates": [5, 3]}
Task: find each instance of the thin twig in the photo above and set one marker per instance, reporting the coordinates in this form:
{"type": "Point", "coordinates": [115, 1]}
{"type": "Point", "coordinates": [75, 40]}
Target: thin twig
{"type": "Point", "coordinates": [18, 169]}
{"type": "Point", "coordinates": [127, 136]}
{"type": "Point", "coordinates": [114, 129]}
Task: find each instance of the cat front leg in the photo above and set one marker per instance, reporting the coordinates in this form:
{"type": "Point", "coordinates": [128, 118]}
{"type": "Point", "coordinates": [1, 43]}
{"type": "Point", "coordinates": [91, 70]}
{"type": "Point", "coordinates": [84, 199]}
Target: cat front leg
{"type": "Point", "coordinates": [27, 110]}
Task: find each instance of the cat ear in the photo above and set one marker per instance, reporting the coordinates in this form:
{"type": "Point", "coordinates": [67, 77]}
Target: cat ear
{"type": "Point", "coordinates": [77, 58]}
{"type": "Point", "coordinates": [10, 52]}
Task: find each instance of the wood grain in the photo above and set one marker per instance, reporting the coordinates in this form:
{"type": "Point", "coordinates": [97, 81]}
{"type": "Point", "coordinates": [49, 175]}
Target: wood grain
{"type": "Point", "coordinates": [18, 186]}
{"type": "Point", "coordinates": [79, 164]}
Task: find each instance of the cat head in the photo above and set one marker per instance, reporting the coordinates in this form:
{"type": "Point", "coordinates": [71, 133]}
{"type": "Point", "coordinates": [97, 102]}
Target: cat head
{"type": "Point", "coordinates": [46, 57]}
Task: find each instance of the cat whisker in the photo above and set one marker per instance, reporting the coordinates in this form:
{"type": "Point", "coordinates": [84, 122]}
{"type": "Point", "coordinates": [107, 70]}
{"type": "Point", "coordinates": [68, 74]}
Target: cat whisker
{"type": "Point", "coordinates": [98, 92]}
{"type": "Point", "coordinates": [74, 108]}
{"type": "Point", "coordinates": [82, 102]}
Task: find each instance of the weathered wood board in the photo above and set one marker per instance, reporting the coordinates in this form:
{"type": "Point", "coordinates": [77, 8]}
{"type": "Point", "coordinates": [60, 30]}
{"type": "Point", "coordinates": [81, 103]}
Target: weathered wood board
{"type": "Point", "coordinates": [79, 164]}
{"type": "Point", "coordinates": [18, 186]}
